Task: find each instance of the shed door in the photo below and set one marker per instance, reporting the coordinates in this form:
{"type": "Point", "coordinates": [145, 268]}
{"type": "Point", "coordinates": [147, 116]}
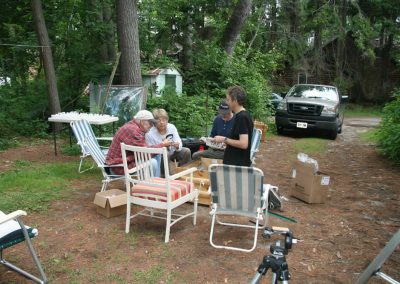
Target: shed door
{"type": "Point", "coordinates": [170, 80]}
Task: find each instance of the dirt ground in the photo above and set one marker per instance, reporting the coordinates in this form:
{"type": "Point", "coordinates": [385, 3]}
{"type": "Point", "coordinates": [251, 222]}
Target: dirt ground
{"type": "Point", "coordinates": [338, 238]}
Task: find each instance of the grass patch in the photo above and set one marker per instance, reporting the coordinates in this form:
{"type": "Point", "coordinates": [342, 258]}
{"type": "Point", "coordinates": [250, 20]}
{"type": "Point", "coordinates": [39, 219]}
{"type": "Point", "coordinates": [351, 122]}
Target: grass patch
{"type": "Point", "coordinates": [370, 136]}
{"type": "Point", "coordinates": [311, 146]}
{"type": "Point", "coordinates": [353, 110]}
{"type": "Point", "coordinates": [153, 276]}
{"type": "Point", "coordinates": [30, 186]}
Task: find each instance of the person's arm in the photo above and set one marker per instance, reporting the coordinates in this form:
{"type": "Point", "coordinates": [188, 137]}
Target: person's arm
{"type": "Point", "coordinates": [177, 141]}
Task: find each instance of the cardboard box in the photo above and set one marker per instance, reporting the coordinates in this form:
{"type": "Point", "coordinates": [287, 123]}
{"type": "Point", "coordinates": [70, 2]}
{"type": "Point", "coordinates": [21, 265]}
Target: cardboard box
{"type": "Point", "coordinates": [110, 203]}
{"type": "Point", "coordinates": [201, 182]}
{"type": "Point", "coordinates": [309, 186]}
{"type": "Point", "coordinates": [205, 162]}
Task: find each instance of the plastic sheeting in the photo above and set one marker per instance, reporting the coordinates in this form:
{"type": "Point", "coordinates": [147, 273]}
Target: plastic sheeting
{"type": "Point", "coordinates": [122, 101]}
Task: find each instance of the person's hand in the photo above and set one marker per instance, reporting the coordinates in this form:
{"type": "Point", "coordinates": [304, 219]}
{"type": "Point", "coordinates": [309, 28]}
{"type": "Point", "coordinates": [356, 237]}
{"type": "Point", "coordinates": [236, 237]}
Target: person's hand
{"type": "Point", "coordinates": [176, 145]}
{"type": "Point", "coordinates": [218, 139]}
{"type": "Point", "coordinates": [167, 142]}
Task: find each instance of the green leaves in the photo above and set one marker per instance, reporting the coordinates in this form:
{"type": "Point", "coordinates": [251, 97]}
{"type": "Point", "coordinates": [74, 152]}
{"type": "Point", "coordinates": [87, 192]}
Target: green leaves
{"type": "Point", "coordinates": [389, 130]}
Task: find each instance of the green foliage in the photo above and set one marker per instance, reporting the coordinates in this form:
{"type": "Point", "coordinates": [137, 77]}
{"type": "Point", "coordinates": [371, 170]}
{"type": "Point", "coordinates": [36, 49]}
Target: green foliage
{"type": "Point", "coordinates": [22, 111]}
{"type": "Point", "coordinates": [389, 130]}
{"type": "Point", "coordinates": [216, 71]}
{"type": "Point", "coordinates": [190, 114]}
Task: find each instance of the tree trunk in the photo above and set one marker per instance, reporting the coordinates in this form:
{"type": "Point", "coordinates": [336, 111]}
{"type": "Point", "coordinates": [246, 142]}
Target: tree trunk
{"type": "Point", "coordinates": [340, 53]}
{"type": "Point", "coordinates": [273, 25]}
{"type": "Point", "coordinates": [109, 33]}
{"type": "Point", "coordinates": [235, 24]}
{"type": "Point", "coordinates": [43, 38]}
{"type": "Point", "coordinates": [187, 59]}
{"type": "Point", "coordinates": [128, 40]}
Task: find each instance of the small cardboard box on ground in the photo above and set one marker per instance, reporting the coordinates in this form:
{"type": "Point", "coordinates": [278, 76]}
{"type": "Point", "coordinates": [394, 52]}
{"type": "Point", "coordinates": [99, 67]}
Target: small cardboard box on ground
{"type": "Point", "coordinates": [308, 185]}
{"type": "Point", "coordinates": [110, 203]}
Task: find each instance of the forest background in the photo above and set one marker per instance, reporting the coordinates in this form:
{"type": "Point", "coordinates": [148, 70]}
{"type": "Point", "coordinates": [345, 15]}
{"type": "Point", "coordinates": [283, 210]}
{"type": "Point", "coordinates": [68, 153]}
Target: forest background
{"type": "Point", "coordinates": [50, 51]}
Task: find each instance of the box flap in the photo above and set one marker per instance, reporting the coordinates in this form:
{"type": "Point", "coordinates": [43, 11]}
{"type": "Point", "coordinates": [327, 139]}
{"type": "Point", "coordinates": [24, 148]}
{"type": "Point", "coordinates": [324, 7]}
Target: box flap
{"type": "Point", "coordinates": [117, 200]}
{"type": "Point", "coordinates": [102, 197]}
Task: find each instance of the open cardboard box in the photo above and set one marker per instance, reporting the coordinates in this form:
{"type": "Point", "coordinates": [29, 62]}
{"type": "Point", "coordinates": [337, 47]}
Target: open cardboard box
{"type": "Point", "coordinates": [307, 185]}
{"type": "Point", "coordinates": [200, 177]}
{"type": "Point", "coordinates": [110, 203]}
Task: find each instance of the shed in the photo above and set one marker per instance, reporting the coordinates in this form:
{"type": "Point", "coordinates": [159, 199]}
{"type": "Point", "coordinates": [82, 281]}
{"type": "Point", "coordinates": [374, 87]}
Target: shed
{"type": "Point", "coordinates": [157, 79]}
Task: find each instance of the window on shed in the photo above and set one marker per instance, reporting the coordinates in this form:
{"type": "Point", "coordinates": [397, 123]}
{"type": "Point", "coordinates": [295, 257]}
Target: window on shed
{"type": "Point", "coordinates": [170, 80]}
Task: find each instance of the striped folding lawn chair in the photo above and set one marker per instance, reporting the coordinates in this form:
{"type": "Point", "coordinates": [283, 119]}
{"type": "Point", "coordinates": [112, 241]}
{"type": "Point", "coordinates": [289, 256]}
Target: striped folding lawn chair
{"type": "Point", "coordinates": [99, 157]}
{"type": "Point", "coordinates": [255, 144]}
{"type": "Point", "coordinates": [238, 191]}
{"type": "Point", "coordinates": [82, 129]}
{"type": "Point", "coordinates": [12, 232]}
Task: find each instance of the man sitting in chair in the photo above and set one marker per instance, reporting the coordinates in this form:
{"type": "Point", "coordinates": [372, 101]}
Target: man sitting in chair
{"type": "Point", "coordinates": [167, 131]}
{"type": "Point", "coordinates": [133, 133]}
{"type": "Point", "coordinates": [222, 125]}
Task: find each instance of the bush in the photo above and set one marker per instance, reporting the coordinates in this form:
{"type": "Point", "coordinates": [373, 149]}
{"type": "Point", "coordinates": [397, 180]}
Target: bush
{"type": "Point", "coordinates": [389, 130]}
{"type": "Point", "coordinates": [190, 114]}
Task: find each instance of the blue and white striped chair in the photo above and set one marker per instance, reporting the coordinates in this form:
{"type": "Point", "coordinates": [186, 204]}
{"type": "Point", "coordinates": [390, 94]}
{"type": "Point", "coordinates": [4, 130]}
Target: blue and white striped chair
{"type": "Point", "coordinates": [255, 144]}
{"type": "Point", "coordinates": [83, 129]}
{"type": "Point", "coordinates": [238, 191]}
{"type": "Point", "coordinates": [12, 232]}
{"type": "Point", "coordinates": [93, 149]}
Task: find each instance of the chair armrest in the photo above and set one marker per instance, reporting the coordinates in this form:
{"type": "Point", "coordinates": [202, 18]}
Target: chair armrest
{"type": "Point", "coordinates": [105, 138]}
{"type": "Point", "coordinates": [183, 173]}
{"type": "Point", "coordinates": [12, 216]}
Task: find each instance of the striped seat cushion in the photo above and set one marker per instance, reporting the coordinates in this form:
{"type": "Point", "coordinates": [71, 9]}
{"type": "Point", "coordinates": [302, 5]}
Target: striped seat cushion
{"type": "Point", "coordinates": [179, 188]}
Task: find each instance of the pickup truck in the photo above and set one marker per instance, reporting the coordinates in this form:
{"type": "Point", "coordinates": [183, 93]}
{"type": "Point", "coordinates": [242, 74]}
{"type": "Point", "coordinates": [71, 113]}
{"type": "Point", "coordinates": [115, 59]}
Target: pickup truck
{"type": "Point", "coordinates": [310, 106]}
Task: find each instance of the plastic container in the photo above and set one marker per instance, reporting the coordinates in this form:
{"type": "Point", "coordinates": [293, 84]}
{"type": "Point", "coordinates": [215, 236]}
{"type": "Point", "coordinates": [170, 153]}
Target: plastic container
{"type": "Point", "coordinates": [302, 157]}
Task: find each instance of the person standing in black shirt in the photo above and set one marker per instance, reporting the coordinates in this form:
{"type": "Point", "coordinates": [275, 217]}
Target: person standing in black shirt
{"type": "Point", "coordinates": [238, 142]}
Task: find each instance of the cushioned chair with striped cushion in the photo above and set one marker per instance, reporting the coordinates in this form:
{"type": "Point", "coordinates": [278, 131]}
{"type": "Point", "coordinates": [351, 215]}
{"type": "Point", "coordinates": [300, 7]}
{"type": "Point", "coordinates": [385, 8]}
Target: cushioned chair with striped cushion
{"type": "Point", "coordinates": [158, 196]}
{"type": "Point", "coordinates": [238, 191]}
{"type": "Point", "coordinates": [12, 232]}
{"type": "Point", "coordinates": [82, 129]}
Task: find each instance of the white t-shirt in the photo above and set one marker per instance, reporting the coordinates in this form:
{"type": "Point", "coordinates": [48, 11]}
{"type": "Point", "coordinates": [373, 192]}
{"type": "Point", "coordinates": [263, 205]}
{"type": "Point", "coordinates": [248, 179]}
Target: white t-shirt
{"type": "Point", "coordinates": [153, 137]}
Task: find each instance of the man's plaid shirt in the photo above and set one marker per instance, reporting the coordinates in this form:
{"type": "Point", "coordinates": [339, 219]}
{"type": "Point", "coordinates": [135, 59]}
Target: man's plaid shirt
{"type": "Point", "coordinates": [130, 134]}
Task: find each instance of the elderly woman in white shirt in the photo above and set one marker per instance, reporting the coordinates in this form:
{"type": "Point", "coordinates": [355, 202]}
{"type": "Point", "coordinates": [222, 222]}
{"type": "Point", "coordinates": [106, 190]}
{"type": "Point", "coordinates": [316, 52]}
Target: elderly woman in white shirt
{"type": "Point", "coordinates": [163, 130]}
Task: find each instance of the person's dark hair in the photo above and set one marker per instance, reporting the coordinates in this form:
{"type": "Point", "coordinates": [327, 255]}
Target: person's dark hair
{"type": "Point", "coordinates": [237, 94]}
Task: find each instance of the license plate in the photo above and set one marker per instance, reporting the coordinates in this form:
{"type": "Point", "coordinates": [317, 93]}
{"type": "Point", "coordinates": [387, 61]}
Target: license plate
{"type": "Point", "coordinates": [301, 124]}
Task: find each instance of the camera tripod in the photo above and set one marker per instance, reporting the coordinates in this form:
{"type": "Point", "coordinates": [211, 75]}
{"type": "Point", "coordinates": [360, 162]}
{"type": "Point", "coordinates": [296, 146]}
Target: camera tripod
{"type": "Point", "coordinates": [276, 261]}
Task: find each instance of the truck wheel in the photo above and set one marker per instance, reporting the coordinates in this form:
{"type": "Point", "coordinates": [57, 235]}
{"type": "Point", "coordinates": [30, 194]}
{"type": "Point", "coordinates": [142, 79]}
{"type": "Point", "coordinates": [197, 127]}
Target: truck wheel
{"type": "Point", "coordinates": [279, 130]}
{"type": "Point", "coordinates": [332, 134]}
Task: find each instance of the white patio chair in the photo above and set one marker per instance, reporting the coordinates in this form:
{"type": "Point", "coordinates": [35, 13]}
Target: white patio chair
{"type": "Point", "coordinates": [255, 144]}
{"type": "Point", "coordinates": [158, 196]}
{"type": "Point", "coordinates": [12, 232]}
{"type": "Point", "coordinates": [238, 191]}
{"type": "Point", "coordinates": [83, 129]}
{"type": "Point", "coordinates": [93, 149]}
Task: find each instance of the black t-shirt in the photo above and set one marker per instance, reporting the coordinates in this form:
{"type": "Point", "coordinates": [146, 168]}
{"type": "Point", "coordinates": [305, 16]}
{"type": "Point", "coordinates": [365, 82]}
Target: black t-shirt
{"type": "Point", "coordinates": [243, 124]}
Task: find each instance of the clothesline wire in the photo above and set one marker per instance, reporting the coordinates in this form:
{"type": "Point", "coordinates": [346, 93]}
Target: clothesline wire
{"type": "Point", "coordinates": [22, 45]}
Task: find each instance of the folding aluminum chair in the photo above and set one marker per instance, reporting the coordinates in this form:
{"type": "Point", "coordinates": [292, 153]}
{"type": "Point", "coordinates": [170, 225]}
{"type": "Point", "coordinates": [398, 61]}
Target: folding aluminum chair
{"type": "Point", "coordinates": [255, 144]}
{"type": "Point", "coordinates": [82, 129]}
{"type": "Point", "coordinates": [238, 191]}
{"type": "Point", "coordinates": [99, 157]}
{"type": "Point", "coordinates": [12, 232]}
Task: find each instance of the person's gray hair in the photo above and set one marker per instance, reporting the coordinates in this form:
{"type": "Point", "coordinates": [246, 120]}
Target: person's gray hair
{"type": "Point", "coordinates": [160, 113]}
